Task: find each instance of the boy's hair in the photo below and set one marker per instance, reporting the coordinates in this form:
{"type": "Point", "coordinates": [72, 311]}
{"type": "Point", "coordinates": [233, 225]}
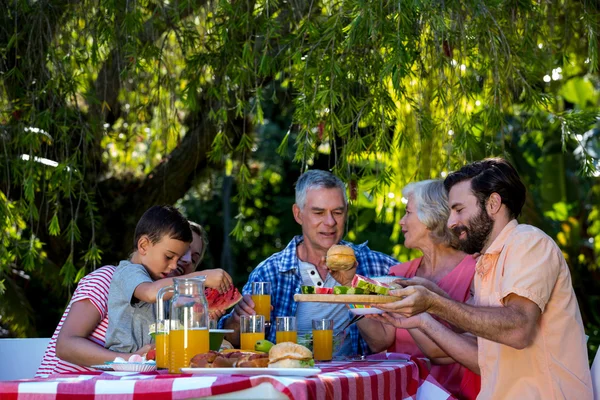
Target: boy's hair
{"type": "Point", "coordinates": [159, 221]}
{"type": "Point", "coordinates": [199, 230]}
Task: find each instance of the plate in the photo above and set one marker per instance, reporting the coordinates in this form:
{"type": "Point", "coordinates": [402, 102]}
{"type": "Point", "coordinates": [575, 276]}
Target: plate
{"type": "Point", "coordinates": [362, 299]}
{"type": "Point", "coordinates": [359, 309]}
{"type": "Point", "coordinates": [303, 372]}
{"type": "Point", "coordinates": [132, 367]}
{"type": "Point", "coordinates": [102, 367]}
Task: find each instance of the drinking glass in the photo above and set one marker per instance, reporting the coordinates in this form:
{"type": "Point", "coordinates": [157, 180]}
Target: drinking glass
{"type": "Point", "coordinates": [252, 329]}
{"type": "Point", "coordinates": [322, 339]}
{"type": "Point", "coordinates": [286, 330]}
{"type": "Point", "coordinates": [261, 296]}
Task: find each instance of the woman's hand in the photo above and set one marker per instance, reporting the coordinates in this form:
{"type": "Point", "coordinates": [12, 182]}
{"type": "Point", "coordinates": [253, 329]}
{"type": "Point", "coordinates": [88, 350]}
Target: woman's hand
{"type": "Point", "coordinates": [217, 279]}
{"type": "Point", "coordinates": [426, 283]}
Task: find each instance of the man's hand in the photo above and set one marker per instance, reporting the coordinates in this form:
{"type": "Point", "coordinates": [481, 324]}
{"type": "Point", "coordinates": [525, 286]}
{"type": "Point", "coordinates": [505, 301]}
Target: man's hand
{"type": "Point", "coordinates": [399, 321]}
{"type": "Point", "coordinates": [217, 279]}
{"type": "Point", "coordinates": [426, 283]}
{"type": "Point", "coordinates": [416, 299]}
{"type": "Point", "coordinates": [344, 277]}
{"type": "Point", "coordinates": [244, 307]}
{"type": "Point", "coordinates": [216, 315]}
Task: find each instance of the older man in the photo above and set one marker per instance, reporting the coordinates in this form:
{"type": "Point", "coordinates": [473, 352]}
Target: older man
{"type": "Point", "coordinates": [321, 210]}
{"type": "Point", "coordinates": [530, 337]}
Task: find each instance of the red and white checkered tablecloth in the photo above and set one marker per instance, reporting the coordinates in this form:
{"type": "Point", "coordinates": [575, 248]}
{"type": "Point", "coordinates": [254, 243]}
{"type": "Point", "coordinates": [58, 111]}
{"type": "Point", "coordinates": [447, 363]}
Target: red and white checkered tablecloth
{"type": "Point", "coordinates": [338, 380]}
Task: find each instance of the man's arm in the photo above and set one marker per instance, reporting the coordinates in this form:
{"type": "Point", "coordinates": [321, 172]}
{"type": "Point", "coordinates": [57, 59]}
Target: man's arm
{"type": "Point", "coordinates": [513, 324]}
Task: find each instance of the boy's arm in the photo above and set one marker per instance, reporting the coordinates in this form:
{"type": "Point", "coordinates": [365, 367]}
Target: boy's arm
{"type": "Point", "coordinates": [73, 345]}
{"type": "Point", "coordinates": [147, 291]}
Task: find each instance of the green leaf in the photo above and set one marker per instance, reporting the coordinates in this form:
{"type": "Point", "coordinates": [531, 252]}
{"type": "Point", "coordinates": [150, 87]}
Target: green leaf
{"type": "Point", "coordinates": [54, 228]}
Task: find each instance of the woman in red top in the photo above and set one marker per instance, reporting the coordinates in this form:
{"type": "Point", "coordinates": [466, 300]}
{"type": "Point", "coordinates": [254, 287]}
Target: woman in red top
{"type": "Point", "coordinates": [442, 269]}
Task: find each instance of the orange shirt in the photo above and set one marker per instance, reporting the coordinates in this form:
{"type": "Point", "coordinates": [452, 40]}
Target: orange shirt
{"type": "Point", "coordinates": [525, 261]}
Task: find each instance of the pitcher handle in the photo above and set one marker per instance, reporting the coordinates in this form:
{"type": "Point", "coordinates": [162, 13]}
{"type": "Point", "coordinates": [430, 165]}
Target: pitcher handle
{"type": "Point", "coordinates": [160, 304]}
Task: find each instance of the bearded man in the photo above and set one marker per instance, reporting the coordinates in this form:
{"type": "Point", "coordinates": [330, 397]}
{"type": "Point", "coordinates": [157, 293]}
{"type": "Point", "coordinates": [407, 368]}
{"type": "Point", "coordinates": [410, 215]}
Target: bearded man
{"type": "Point", "coordinates": [530, 337]}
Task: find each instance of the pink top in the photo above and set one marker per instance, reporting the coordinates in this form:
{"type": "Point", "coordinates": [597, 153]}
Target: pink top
{"type": "Point", "coordinates": [457, 283]}
{"type": "Point", "coordinates": [93, 287]}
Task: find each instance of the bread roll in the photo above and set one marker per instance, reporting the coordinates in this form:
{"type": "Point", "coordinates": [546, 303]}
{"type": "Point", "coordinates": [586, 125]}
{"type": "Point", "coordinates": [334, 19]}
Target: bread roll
{"type": "Point", "coordinates": [340, 258]}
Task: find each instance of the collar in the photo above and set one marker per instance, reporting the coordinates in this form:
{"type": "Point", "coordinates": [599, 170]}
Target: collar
{"type": "Point", "coordinates": [488, 260]}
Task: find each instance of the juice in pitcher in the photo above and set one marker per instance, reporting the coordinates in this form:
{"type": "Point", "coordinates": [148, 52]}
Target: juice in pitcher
{"type": "Point", "coordinates": [185, 344]}
{"type": "Point", "coordinates": [162, 349]}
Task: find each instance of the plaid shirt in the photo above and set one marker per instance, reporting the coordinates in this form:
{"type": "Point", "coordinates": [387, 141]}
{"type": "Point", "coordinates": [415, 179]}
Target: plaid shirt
{"type": "Point", "coordinates": [283, 271]}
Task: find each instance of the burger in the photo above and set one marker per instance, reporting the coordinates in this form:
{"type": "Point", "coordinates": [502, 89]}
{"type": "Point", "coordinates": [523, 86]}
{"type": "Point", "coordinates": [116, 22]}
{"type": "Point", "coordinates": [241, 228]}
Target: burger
{"type": "Point", "coordinates": [290, 355]}
{"type": "Point", "coordinates": [340, 258]}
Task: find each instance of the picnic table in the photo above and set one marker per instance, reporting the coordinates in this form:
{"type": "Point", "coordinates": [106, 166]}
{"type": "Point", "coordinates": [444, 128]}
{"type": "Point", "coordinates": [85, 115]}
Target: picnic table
{"type": "Point", "coordinates": [376, 380]}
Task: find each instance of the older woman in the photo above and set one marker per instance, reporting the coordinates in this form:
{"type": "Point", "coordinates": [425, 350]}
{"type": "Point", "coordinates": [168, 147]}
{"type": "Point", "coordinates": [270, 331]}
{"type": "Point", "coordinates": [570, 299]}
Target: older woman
{"type": "Point", "coordinates": [78, 340]}
{"type": "Point", "coordinates": [442, 268]}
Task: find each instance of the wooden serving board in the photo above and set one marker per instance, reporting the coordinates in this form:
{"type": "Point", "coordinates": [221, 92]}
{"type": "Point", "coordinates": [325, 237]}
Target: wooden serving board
{"type": "Point", "coordinates": [346, 298]}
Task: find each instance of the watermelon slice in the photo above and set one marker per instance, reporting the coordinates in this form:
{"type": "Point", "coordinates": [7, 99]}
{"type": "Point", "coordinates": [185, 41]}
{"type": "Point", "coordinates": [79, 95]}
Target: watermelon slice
{"type": "Point", "coordinates": [308, 289]}
{"type": "Point", "coordinates": [323, 290]}
{"type": "Point", "coordinates": [347, 290]}
{"type": "Point", "coordinates": [217, 301]}
{"type": "Point", "coordinates": [369, 285]}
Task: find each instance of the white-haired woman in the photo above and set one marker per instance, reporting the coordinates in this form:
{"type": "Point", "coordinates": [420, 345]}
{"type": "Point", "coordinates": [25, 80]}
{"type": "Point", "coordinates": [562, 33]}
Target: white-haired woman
{"type": "Point", "coordinates": [442, 268]}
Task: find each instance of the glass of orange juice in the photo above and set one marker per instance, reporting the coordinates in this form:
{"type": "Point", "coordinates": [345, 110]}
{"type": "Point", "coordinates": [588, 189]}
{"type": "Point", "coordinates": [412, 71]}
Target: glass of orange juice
{"type": "Point", "coordinates": [286, 330]}
{"type": "Point", "coordinates": [252, 329]}
{"type": "Point", "coordinates": [322, 339]}
{"type": "Point", "coordinates": [261, 296]}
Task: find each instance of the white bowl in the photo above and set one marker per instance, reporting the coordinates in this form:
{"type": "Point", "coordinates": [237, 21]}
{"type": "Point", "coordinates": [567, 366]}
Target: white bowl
{"type": "Point", "coordinates": [134, 367]}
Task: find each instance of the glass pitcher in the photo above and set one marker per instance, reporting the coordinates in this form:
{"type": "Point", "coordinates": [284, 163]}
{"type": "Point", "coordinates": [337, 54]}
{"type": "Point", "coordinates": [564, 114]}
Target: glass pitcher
{"type": "Point", "coordinates": [188, 325]}
{"type": "Point", "coordinates": [162, 327]}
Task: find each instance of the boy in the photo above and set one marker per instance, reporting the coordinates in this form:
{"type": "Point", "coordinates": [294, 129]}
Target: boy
{"type": "Point", "coordinates": [162, 237]}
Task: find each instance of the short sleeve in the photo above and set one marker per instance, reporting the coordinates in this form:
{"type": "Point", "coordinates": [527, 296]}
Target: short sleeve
{"type": "Point", "coordinates": [530, 268]}
{"type": "Point", "coordinates": [94, 287]}
{"type": "Point", "coordinates": [127, 278]}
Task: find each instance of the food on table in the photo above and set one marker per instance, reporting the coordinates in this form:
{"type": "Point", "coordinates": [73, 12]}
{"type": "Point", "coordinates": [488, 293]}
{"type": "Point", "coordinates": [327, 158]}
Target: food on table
{"type": "Point", "coordinates": [370, 285]}
{"type": "Point", "coordinates": [340, 258]}
{"type": "Point", "coordinates": [263, 345]}
{"type": "Point", "coordinates": [151, 355]}
{"type": "Point", "coordinates": [290, 355]}
{"type": "Point", "coordinates": [226, 345]}
{"type": "Point", "coordinates": [222, 301]}
{"type": "Point", "coordinates": [316, 290]}
{"type": "Point", "coordinates": [232, 359]}
{"type": "Point", "coordinates": [348, 290]}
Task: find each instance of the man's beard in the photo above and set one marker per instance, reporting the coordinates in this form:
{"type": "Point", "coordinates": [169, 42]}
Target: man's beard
{"type": "Point", "coordinates": [480, 227]}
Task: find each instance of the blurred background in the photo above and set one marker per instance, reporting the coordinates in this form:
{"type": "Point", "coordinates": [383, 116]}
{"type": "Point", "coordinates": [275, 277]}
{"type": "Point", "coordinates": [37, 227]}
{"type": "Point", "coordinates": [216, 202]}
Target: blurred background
{"type": "Point", "coordinates": [109, 107]}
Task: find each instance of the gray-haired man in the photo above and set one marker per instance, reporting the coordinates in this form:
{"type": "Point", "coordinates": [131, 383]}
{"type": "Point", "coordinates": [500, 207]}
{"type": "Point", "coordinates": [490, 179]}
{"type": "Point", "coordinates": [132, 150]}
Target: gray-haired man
{"type": "Point", "coordinates": [321, 210]}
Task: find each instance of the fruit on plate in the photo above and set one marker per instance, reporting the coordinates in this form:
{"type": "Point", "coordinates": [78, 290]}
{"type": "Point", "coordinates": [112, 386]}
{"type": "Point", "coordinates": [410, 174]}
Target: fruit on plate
{"type": "Point", "coordinates": [263, 345]}
{"type": "Point", "coordinates": [348, 290]}
{"type": "Point", "coordinates": [151, 355]}
{"type": "Point", "coordinates": [369, 285]}
{"type": "Point", "coordinates": [340, 258]}
{"type": "Point", "coordinates": [290, 355]}
{"type": "Point", "coordinates": [222, 301]}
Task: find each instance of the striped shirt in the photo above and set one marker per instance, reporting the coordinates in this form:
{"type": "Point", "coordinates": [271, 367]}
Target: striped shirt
{"type": "Point", "coordinates": [93, 287]}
